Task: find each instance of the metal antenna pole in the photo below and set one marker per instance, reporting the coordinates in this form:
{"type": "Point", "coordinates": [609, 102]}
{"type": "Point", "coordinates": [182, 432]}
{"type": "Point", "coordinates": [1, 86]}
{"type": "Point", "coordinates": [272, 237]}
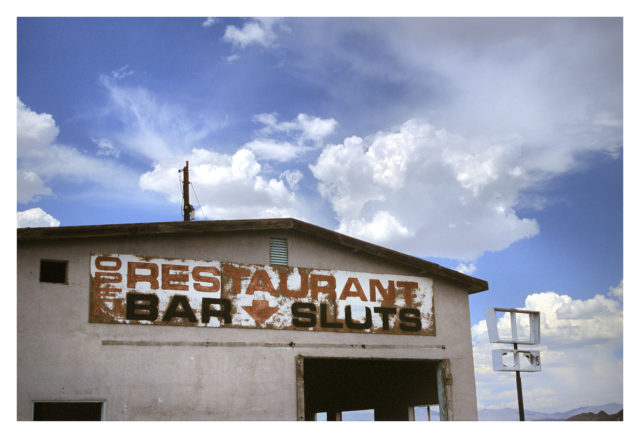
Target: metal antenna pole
{"type": "Point", "coordinates": [188, 208]}
{"type": "Point", "coordinates": [519, 388]}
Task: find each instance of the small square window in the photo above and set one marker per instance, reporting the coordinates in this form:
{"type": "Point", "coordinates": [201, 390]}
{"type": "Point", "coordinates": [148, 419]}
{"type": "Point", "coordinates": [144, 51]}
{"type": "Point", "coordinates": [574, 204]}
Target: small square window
{"type": "Point", "coordinates": [53, 271]}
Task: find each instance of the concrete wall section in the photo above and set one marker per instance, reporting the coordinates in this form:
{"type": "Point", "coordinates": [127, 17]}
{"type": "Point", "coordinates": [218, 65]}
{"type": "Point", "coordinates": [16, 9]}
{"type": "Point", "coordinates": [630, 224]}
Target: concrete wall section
{"type": "Point", "coordinates": [453, 328]}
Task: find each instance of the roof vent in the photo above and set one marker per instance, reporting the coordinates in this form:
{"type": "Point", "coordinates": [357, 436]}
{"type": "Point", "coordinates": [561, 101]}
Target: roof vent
{"type": "Point", "coordinates": [278, 251]}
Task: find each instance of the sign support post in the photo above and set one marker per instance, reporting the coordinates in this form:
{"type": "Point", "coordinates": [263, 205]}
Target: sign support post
{"type": "Point", "coordinates": [527, 361]}
{"type": "Point", "coordinates": [519, 388]}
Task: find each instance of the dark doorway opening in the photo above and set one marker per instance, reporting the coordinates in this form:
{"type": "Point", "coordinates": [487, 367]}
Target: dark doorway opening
{"type": "Point", "coordinates": [67, 411]}
{"type": "Point", "coordinates": [389, 387]}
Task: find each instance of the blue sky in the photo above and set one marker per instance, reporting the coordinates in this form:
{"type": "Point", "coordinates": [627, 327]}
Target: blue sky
{"type": "Point", "coordinates": [490, 146]}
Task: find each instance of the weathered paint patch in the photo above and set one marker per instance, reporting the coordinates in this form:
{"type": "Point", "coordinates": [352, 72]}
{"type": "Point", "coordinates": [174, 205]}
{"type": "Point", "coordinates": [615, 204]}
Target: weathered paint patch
{"type": "Point", "coordinates": [129, 289]}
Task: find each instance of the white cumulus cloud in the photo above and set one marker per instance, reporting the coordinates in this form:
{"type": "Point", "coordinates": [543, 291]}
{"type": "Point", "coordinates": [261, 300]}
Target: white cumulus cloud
{"type": "Point", "coordinates": [35, 131]}
{"type": "Point", "coordinates": [105, 147]}
{"type": "Point", "coordinates": [227, 186]}
{"type": "Point", "coordinates": [289, 140]}
{"type": "Point", "coordinates": [303, 128]}
{"type": "Point", "coordinates": [36, 217]}
{"type": "Point", "coordinates": [448, 196]}
{"type": "Point", "coordinates": [616, 291]}
{"type": "Point", "coordinates": [209, 21]}
{"type": "Point", "coordinates": [315, 128]}
{"type": "Point", "coordinates": [41, 160]}
{"type": "Point", "coordinates": [292, 177]}
{"type": "Point", "coordinates": [259, 31]}
{"type": "Point", "coordinates": [467, 269]}
{"type": "Point", "coordinates": [383, 227]}
{"type": "Point", "coordinates": [30, 186]}
{"type": "Point", "coordinates": [268, 149]}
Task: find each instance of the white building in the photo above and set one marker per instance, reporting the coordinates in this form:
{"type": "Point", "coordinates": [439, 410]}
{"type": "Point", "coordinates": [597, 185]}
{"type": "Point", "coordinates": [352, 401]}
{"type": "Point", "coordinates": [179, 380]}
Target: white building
{"type": "Point", "coordinates": [272, 319]}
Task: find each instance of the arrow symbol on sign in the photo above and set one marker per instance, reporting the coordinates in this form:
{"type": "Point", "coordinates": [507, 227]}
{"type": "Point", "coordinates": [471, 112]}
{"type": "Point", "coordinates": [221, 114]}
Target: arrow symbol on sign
{"type": "Point", "coordinates": [260, 310]}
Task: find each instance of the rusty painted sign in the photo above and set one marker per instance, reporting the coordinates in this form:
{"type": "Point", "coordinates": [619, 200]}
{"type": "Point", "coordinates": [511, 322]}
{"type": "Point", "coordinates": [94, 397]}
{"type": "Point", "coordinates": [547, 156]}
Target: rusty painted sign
{"type": "Point", "coordinates": [129, 289]}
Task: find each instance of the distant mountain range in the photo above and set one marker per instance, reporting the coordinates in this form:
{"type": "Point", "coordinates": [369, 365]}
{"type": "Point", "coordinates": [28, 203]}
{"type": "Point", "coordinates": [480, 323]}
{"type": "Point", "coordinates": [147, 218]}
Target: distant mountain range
{"type": "Point", "coordinates": [600, 416]}
{"type": "Point", "coordinates": [509, 414]}
{"type": "Point", "coordinates": [608, 412]}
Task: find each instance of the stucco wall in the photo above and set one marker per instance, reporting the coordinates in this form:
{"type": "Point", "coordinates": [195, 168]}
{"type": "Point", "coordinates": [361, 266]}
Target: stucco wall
{"type": "Point", "coordinates": [169, 374]}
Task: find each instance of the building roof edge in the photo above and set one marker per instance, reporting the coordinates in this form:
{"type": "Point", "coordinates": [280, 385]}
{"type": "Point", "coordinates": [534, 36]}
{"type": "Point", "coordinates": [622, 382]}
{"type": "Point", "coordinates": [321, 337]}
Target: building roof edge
{"type": "Point", "coordinates": [472, 284]}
